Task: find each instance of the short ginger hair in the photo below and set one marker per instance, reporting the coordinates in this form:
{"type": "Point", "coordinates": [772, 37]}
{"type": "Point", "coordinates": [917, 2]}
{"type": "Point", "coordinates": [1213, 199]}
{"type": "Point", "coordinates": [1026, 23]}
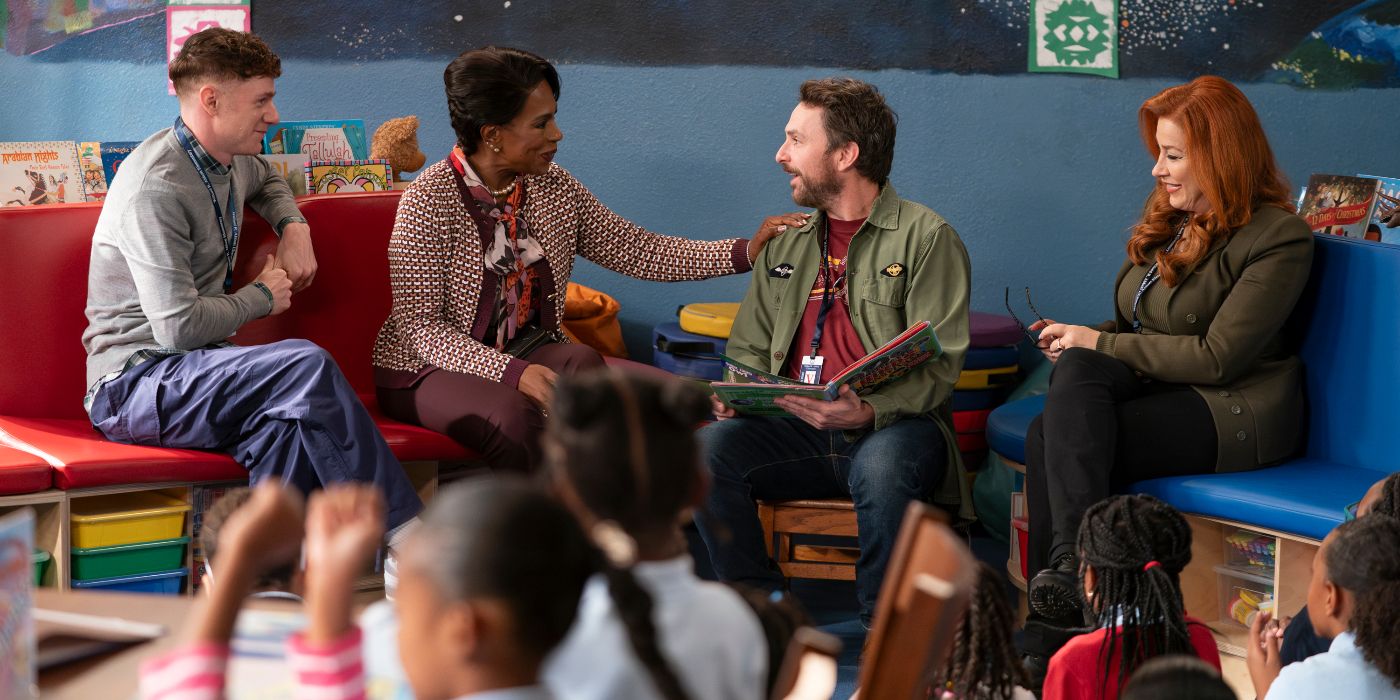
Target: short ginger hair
{"type": "Point", "coordinates": [222, 54]}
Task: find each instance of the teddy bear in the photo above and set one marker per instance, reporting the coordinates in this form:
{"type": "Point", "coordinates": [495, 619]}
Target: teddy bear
{"type": "Point", "coordinates": [397, 141]}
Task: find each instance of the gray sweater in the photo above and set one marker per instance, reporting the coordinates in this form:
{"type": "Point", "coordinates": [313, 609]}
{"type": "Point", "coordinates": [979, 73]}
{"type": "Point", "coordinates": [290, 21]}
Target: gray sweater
{"type": "Point", "coordinates": [155, 280]}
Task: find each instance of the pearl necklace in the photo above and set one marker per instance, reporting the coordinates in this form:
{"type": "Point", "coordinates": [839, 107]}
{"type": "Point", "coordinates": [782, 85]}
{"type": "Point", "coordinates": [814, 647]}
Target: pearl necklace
{"type": "Point", "coordinates": [504, 191]}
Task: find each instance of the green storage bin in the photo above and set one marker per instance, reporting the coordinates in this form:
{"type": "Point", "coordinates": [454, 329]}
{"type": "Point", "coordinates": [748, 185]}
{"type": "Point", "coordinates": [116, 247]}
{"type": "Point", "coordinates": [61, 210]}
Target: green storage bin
{"type": "Point", "coordinates": [41, 566]}
{"type": "Point", "coordinates": [128, 559]}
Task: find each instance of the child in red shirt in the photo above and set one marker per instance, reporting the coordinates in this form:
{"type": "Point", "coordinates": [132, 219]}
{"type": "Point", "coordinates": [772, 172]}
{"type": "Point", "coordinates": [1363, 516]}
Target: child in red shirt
{"type": "Point", "coordinates": [1132, 550]}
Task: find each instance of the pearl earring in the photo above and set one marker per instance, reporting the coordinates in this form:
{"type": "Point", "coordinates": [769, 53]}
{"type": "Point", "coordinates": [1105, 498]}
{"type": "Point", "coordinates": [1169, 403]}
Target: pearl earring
{"type": "Point", "coordinates": [495, 148]}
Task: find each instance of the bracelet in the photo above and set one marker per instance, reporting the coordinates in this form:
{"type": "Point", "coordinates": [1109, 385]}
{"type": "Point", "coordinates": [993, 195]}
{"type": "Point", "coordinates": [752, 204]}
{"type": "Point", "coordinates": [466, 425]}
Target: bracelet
{"type": "Point", "coordinates": [263, 288]}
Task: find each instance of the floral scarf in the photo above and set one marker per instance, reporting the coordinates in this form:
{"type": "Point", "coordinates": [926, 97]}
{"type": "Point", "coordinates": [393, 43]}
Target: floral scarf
{"type": "Point", "coordinates": [511, 255]}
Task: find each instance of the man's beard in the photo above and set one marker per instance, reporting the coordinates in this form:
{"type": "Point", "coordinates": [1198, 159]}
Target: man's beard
{"type": "Point", "coordinates": [817, 191]}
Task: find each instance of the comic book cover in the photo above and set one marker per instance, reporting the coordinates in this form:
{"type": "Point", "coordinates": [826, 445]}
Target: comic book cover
{"type": "Point", "coordinates": [94, 181]}
{"type": "Point", "coordinates": [325, 139]}
{"type": "Point", "coordinates": [39, 172]}
{"type": "Point", "coordinates": [113, 153]}
{"type": "Point", "coordinates": [751, 391]}
{"type": "Point", "coordinates": [339, 176]}
{"type": "Point", "coordinates": [292, 168]}
{"type": "Point", "coordinates": [1385, 220]}
{"type": "Point", "coordinates": [1340, 205]}
{"type": "Point", "coordinates": [17, 669]}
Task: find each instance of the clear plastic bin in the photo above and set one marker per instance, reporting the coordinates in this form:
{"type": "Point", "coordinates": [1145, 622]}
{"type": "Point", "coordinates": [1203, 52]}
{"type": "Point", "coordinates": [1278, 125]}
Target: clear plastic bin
{"type": "Point", "coordinates": [1250, 551]}
{"type": "Point", "coordinates": [1243, 594]}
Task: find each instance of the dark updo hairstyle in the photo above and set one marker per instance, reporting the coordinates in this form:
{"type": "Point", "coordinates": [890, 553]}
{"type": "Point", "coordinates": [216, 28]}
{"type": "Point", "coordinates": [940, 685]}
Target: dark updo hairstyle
{"type": "Point", "coordinates": [983, 662]}
{"type": "Point", "coordinates": [1138, 547]}
{"type": "Point", "coordinates": [278, 578]}
{"type": "Point", "coordinates": [1364, 558]}
{"type": "Point", "coordinates": [506, 539]}
{"type": "Point", "coordinates": [489, 86]}
{"type": "Point", "coordinates": [1177, 676]}
{"type": "Point", "coordinates": [1389, 502]}
{"type": "Point", "coordinates": [625, 445]}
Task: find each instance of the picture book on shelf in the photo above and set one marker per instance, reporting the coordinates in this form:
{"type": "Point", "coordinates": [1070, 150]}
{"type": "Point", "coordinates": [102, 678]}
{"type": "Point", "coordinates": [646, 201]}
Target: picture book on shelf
{"type": "Point", "coordinates": [94, 181]}
{"type": "Point", "coordinates": [39, 172]}
{"type": "Point", "coordinates": [751, 391]}
{"type": "Point", "coordinates": [338, 176]}
{"type": "Point", "coordinates": [1341, 205]}
{"type": "Point", "coordinates": [113, 153]}
{"type": "Point", "coordinates": [292, 168]}
{"type": "Point", "coordinates": [1386, 217]}
{"type": "Point", "coordinates": [324, 139]}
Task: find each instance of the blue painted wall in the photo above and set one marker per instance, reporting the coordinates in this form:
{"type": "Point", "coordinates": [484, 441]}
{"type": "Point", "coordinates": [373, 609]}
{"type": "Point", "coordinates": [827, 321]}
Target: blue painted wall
{"type": "Point", "coordinates": [1040, 174]}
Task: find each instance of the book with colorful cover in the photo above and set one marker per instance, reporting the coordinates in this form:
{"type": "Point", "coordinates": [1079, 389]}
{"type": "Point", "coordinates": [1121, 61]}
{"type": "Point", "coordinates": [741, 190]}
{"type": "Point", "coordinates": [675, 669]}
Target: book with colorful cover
{"type": "Point", "coordinates": [17, 669]}
{"type": "Point", "coordinates": [113, 153]}
{"type": "Point", "coordinates": [340, 176]}
{"type": "Point", "coordinates": [751, 391]}
{"type": "Point", "coordinates": [1340, 205]}
{"type": "Point", "coordinates": [1385, 219]}
{"type": "Point", "coordinates": [39, 172]}
{"type": "Point", "coordinates": [292, 168]}
{"type": "Point", "coordinates": [322, 139]}
{"type": "Point", "coordinates": [94, 181]}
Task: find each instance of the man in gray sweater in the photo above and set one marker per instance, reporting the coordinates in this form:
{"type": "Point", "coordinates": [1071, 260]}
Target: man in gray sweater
{"type": "Point", "coordinates": [161, 304]}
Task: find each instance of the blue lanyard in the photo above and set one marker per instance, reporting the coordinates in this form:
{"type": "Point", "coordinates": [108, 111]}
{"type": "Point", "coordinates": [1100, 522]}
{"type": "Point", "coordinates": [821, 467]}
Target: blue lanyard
{"type": "Point", "coordinates": [1152, 277]}
{"type": "Point", "coordinates": [828, 299]}
{"type": "Point", "coordinates": [230, 241]}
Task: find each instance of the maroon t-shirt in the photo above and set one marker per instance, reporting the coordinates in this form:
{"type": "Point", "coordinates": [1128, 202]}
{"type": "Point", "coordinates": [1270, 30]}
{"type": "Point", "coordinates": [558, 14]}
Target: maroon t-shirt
{"type": "Point", "coordinates": [841, 345]}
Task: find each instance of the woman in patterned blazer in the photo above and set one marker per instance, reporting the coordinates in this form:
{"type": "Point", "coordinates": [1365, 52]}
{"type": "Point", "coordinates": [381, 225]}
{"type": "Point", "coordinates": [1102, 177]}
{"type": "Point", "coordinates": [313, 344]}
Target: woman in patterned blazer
{"type": "Point", "coordinates": [483, 245]}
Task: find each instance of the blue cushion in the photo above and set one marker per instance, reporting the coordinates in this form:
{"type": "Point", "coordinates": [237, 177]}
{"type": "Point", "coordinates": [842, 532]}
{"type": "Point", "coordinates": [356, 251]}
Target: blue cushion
{"type": "Point", "coordinates": [1304, 497]}
{"type": "Point", "coordinates": [1007, 426]}
{"type": "Point", "coordinates": [987, 358]}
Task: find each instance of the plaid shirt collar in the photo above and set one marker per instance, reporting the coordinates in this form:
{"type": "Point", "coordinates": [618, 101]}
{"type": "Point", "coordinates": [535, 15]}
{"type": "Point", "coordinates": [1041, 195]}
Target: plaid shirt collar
{"type": "Point", "coordinates": [206, 161]}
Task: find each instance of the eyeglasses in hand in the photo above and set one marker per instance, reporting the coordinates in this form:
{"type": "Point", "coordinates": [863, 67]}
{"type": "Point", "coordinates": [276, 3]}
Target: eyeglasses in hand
{"type": "Point", "coordinates": [1035, 339]}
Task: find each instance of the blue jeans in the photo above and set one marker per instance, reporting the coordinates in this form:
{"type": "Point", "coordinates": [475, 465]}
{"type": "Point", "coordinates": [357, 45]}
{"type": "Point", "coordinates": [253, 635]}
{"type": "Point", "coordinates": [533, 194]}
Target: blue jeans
{"type": "Point", "coordinates": [281, 410]}
{"type": "Point", "coordinates": [754, 458]}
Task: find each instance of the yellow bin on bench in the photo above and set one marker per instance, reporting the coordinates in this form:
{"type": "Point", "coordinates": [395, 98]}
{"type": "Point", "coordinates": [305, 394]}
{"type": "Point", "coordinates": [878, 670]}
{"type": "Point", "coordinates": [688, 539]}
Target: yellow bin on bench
{"type": "Point", "coordinates": [126, 518]}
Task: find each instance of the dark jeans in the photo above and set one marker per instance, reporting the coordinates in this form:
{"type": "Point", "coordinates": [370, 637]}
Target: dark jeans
{"type": "Point", "coordinates": [1301, 641]}
{"type": "Point", "coordinates": [786, 459]}
{"type": "Point", "coordinates": [503, 425]}
{"type": "Point", "coordinates": [1103, 428]}
{"type": "Point", "coordinates": [282, 410]}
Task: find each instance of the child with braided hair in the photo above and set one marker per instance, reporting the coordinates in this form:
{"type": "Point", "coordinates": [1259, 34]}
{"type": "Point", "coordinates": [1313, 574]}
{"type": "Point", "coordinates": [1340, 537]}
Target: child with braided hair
{"type": "Point", "coordinates": [1132, 550]}
{"type": "Point", "coordinates": [620, 451]}
{"type": "Point", "coordinates": [983, 664]}
{"type": "Point", "coordinates": [1354, 596]}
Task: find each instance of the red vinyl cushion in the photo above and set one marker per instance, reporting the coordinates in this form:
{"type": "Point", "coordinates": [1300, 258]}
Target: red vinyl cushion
{"type": "Point", "coordinates": [970, 421]}
{"type": "Point", "coordinates": [43, 290]}
{"type": "Point", "coordinates": [21, 472]}
{"type": "Point", "coordinates": [86, 459]}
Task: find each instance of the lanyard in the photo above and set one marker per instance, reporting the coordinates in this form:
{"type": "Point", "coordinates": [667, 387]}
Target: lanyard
{"type": "Point", "coordinates": [1152, 277]}
{"type": "Point", "coordinates": [230, 241]}
{"type": "Point", "coordinates": [828, 299]}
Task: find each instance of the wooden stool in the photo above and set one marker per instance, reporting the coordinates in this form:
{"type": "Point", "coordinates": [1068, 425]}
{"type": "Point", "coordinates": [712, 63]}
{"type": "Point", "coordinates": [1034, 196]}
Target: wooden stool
{"type": "Point", "coordinates": [834, 517]}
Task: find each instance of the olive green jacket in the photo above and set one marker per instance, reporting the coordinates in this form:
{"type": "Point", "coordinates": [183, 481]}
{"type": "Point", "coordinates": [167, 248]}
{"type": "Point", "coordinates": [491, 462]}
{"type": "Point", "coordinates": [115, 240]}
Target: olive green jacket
{"type": "Point", "coordinates": [905, 264]}
{"type": "Point", "coordinates": [1220, 330]}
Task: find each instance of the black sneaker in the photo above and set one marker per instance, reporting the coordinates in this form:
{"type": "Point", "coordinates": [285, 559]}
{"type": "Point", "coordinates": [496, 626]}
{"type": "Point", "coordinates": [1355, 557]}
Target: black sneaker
{"type": "Point", "coordinates": [1054, 592]}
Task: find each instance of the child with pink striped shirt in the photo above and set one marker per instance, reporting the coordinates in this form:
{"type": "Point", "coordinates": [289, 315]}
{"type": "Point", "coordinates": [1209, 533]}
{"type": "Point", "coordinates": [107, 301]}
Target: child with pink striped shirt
{"type": "Point", "coordinates": [489, 585]}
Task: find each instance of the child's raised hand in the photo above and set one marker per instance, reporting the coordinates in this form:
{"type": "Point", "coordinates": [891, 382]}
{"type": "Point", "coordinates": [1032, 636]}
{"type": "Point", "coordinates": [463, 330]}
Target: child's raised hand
{"type": "Point", "coordinates": [263, 533]}
{"type": "Point", "coordinates": [344, 528]}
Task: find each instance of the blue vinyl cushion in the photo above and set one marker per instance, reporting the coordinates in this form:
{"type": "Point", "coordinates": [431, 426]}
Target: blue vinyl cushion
{"type": "Point", "coordinates": [987, 358]}
{"type": "Point", "coordinates": [1007, 426]}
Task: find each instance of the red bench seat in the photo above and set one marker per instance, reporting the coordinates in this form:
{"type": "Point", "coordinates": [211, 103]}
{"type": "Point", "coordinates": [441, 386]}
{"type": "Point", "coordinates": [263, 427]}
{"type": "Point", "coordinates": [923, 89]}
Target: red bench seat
{"type": "Point", "coordinates": [21, 472]}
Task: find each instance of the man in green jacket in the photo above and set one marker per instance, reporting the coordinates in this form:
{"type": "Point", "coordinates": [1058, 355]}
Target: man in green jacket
{"type": "Point", "coordinates": [864, 268]}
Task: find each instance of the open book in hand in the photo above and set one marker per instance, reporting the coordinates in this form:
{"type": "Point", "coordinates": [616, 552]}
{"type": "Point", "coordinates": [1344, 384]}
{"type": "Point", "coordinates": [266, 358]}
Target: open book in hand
{"type": "Point", "coordinates": [751, 391]}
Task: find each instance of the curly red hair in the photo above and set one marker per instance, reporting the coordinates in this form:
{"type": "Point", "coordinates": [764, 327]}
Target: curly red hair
{"type": "Point", "coordinates": [1230, 158]}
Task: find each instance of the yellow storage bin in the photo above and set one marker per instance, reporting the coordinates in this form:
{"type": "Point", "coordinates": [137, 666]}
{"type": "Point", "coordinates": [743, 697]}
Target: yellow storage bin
{"type": "Point", "coordinates": [986, 378]}
{"type": "Point", "coordinates": [126, 518]}
{"type": "Point", "coordinates": [712, 319]}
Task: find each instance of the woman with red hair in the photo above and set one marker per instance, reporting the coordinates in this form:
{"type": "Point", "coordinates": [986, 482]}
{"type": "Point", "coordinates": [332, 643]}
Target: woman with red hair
{"type": "Point", "coordinates": [1193, 374]}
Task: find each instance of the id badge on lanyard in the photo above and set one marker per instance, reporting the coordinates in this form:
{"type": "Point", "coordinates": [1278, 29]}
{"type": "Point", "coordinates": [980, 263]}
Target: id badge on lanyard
{"type": "Point", "coordinates": [230, 241]}
{"type": "Point", "coordinates": [810, 371]}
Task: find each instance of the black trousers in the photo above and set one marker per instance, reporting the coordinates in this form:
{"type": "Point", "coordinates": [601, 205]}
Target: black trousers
{"type": "Point", "coordinates": [1104, 428]}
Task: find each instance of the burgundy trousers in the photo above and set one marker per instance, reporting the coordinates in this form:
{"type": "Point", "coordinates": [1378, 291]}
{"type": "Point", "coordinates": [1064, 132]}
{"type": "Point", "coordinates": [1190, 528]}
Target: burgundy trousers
{"type": "Point", "coordinates": [497, 421]}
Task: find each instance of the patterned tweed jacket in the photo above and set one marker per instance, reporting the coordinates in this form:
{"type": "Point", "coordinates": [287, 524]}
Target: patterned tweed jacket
{"type": "Point", "coordinates": [442, 301]}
